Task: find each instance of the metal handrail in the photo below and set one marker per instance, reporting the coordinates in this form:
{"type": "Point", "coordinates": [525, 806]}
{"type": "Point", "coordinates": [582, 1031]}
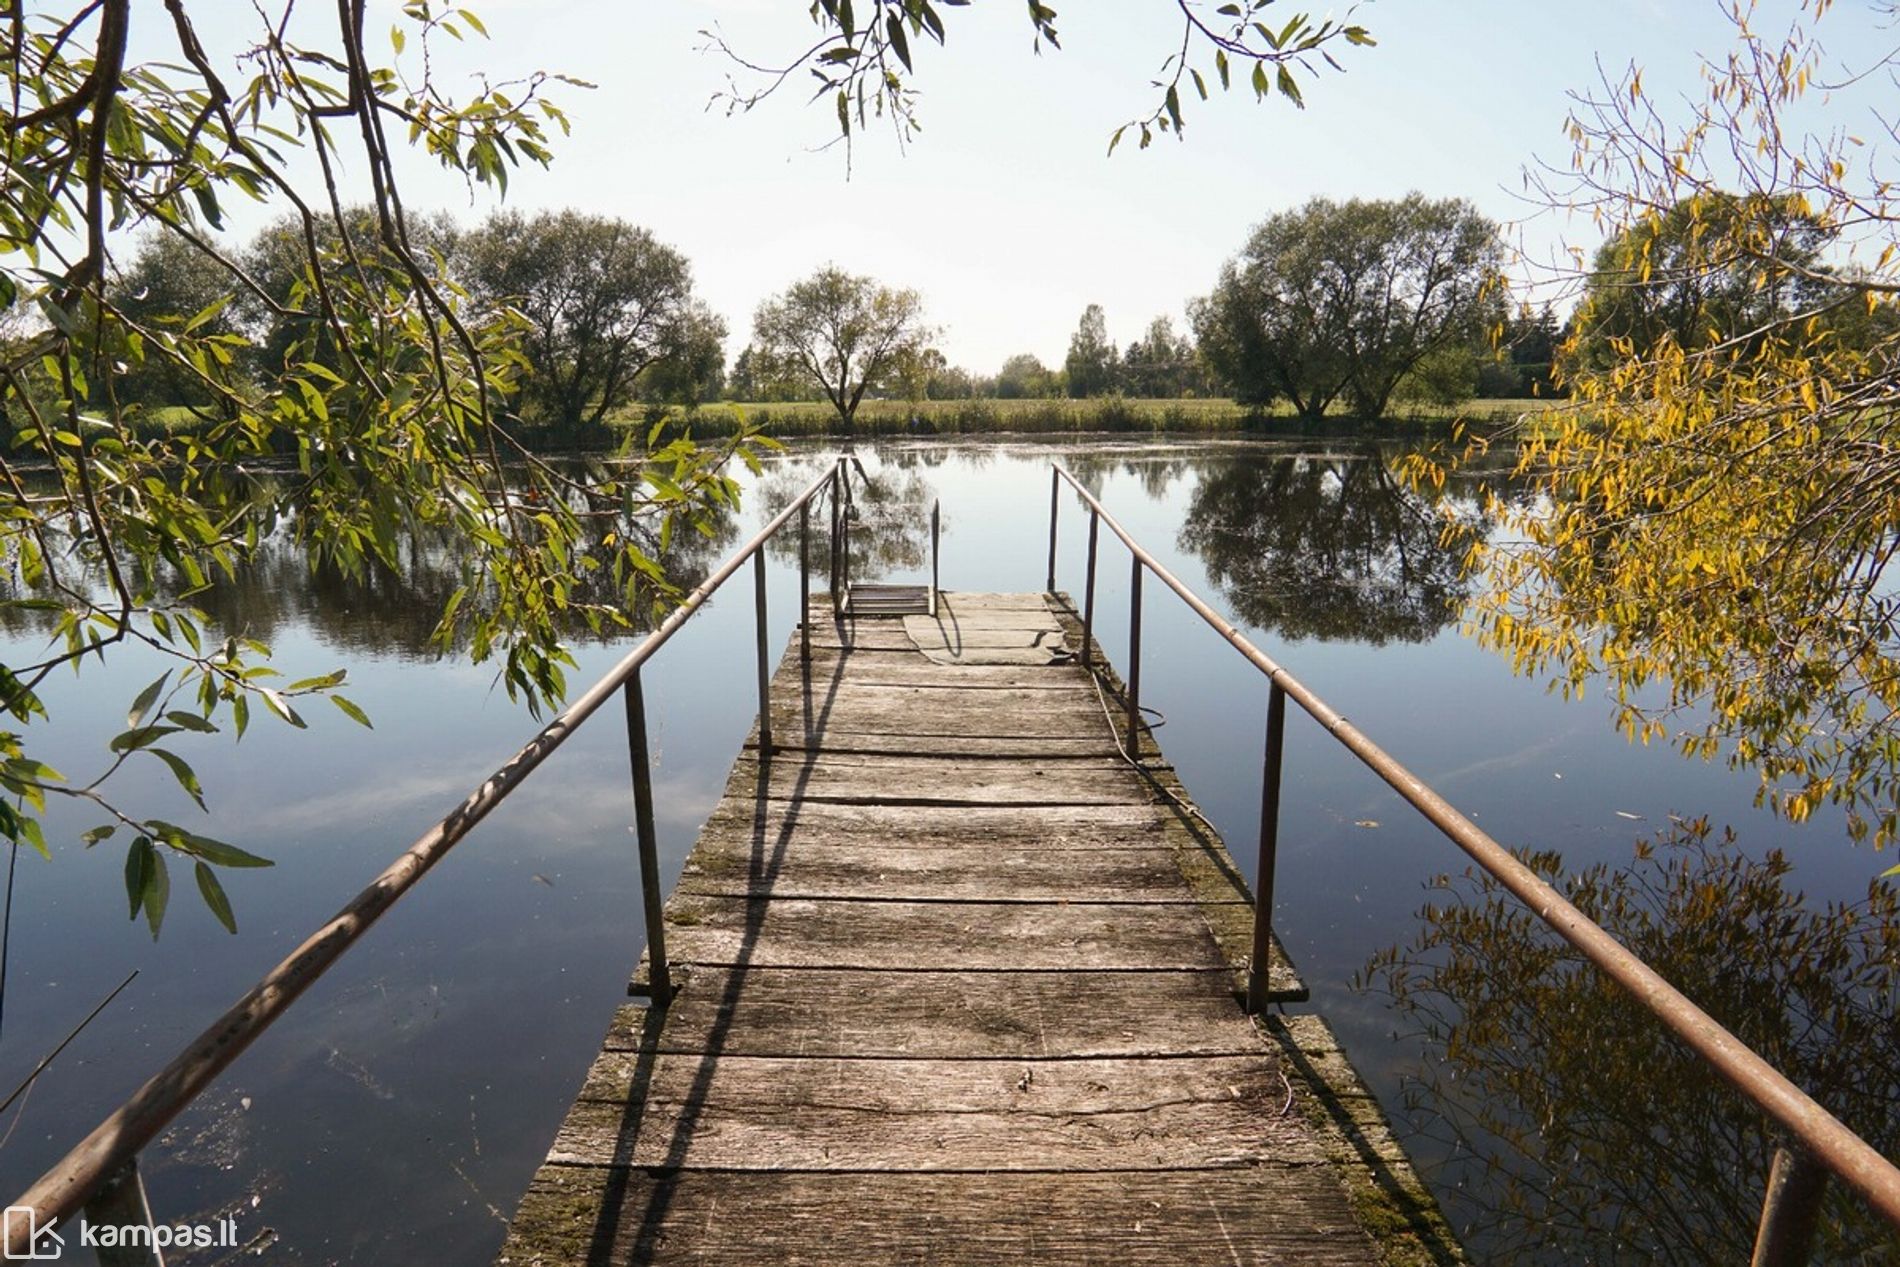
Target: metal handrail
{"type": "Point", "coordinates": [106, 1159]}
{"type": "Point", "coordinates": [1823, 1138]}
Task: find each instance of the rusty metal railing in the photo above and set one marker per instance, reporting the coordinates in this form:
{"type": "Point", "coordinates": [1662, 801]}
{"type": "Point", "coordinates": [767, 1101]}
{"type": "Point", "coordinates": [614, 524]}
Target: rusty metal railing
{"type": "Point", "coordinates": [1822, 1144]}
{"type": "Point", "coordinates": [100, 1173]}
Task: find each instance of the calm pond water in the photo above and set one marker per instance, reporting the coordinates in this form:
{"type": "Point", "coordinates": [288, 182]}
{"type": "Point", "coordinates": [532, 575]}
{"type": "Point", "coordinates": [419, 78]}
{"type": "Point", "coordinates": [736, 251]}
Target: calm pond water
{"type": "Point", "coordinates": [397, 1113]}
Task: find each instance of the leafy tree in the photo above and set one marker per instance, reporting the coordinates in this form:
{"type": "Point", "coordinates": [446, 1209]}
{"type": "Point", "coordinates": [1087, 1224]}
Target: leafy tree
{"type": "Point", "coordinates": [756, 377]}
{"type": "Point", "coordinates": [1577, 1120]}
{"type": "Point", "coordinates": [167, 285]}
{"type": "Point", "coordinates": [1343, 300]}
{"type": "Point", "coordinates": [288, 266]}
{"type": "Point", "coordinates": [691, 369]}
{"type": "Point", "coordinates": [953, 382]}
{"type": "Point", "coordinates": [1023, 377]}
{"type": "Point", "coordinates": [382, 390]}
{"type": "Point", "coordinates": [1719, 512]}
{"type": "Point", "coordinates": [916, 371]}
{"type": "Point", "coordinates": [843, 334]}
{"type": "Point", "coordinates": [603, 301]}
{"type": "Point", "coordinates": [1710, 269]}
{"type": "Point", "coordinates": [1444, 377]}
{"type": "Point", "coordinates": [1161, 364]}
{"type": "Point", "coordinates": [1091, 363]}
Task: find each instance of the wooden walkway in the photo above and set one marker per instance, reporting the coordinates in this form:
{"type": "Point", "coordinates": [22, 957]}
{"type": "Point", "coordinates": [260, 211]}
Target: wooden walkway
{"type": "Point", "coordinates": [959, 988]}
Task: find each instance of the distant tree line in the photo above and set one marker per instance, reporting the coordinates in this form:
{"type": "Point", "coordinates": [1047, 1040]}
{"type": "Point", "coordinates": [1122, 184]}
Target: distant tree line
{"type": "Point", "coordinates": [607, 313]}
{"type": "Point", "coordinates": [1358, 307]}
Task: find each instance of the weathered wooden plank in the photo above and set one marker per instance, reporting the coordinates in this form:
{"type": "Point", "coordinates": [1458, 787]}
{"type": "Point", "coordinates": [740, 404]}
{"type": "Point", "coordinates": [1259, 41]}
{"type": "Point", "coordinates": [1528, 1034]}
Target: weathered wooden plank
{"type": "Point", "coordinates": [932, 781]}
{"type": "Point", "coordinates": [1021, 872]}
{"type": "Point", "coordinates": [889, 634]}
{"type": "Point", "coordinates": [860, 636]}
{"type": "Point", "coordinates": [881, 709]}
{"type": "Point", "coordinates": [977, 600]}
{"type": "Point", "coordinates": [1247, 1217]}
{"type": "Point", "coordinates": [937, 1015]}
{"type": "Point", "coordinates": [789, 734]}
{"type": "Point", "coordinates": [947, 622]}
{"type": "Point", "coordinates": [777, 824]}
{"type": "Point", "coordinates": [833, 665]}
{"type": "Point", "coordinates": [944, 936]}
{"type": "Point", "coordinates": [766, 1113]}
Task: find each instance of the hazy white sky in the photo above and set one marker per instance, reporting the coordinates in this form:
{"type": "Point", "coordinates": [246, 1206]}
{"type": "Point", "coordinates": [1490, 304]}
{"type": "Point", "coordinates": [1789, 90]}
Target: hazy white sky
{"type": "Point", "coordinates": [1006, 213]}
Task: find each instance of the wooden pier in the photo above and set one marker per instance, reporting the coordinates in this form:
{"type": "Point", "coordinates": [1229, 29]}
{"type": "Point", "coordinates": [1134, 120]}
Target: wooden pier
{"type": "Point", "coordinates": [956, 983]}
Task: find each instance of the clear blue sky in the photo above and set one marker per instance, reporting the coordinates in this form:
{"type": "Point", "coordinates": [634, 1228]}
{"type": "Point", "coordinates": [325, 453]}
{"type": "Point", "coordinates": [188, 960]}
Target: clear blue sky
{"type": "Point", "coordinates": [1006, 213]}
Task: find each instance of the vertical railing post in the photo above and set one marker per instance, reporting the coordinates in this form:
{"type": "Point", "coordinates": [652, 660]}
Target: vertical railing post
{"type": "Point", "coordinates": [1790, 1209]}
{"type": "Point", "coordinates": [1259, 974]}
{"type": "Point", "coordinates": [659, 977]}
{"type": "Point", "coordinates": [1088, 593]}
{"type": "Point", "coordinates": [845, 510]}
{"type": "Point", "coordinates": [936, 538]}
{"type": "Point", "coordinates": [1055, 502]}
{"type": "Point", "coordinates": [804, 581]}
{"type": "Point", "coordinates": [833, 540]}
{"type": "Point", "coordinates": [764, 655]}
{"type": "Point", "coordinates": [1134, 661]}
{"type": "Point", "coordinates": [120, 1202]}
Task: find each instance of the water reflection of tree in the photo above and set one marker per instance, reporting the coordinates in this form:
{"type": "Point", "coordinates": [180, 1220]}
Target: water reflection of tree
{"type": "Point", "coordinates": [1327, 547]}
{"type": "Point", "coordinates": [1155, 472]}
{"type": "Point", "coordinates": [891, 528]}
{"type": "Point", "coordinates": [1580, 1131]}
{"type": "Point", "coordinates": [395, 608]}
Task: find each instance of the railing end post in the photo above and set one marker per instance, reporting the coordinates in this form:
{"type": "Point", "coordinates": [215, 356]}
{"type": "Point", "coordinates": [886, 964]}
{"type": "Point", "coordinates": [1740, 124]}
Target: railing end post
{"type": "Point", "coordinates": [1790, 1209]}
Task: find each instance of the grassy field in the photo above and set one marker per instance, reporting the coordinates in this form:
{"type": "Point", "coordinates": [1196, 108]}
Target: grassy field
{"type": "Point", "coordinates": [1105, 414]}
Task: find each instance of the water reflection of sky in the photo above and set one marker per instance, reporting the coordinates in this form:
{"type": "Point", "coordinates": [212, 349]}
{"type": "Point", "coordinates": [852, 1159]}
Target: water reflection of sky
{"type": "Point", "coordinates": [402, 1105]}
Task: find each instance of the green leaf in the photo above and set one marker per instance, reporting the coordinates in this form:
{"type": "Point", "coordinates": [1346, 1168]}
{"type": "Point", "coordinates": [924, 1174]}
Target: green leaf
{"type": "Point", "coordinates": [213, 894]}
{"type": "Point", "coordinates": [319, 683]}
{"type": "Point", "coordinates": [158, 893]}
{"type": "Point", "coordinates": [182, 771]}
{"type": "Point", "coordinates": [133, 740]}
{"type": "Point", "coordinates": [277, 704]}
{"type": "Point", "coordinates": [1290, 87]}
{"type": "Point", "coordinates": [351, 711]}
{"type": "Point", "coordinates": [190, 721]}
{"type": "Point", "coordinates": [218, 852]}
{"type": "Point", "coordinates": [900, 43]}
{"type": "Point", "coordinates": [208, 312]}
{"type": "Point", "coordinates": [98, 834]}
{"type": "Point", "coordinates": [31, 832]}
{"type": "Point", "coordinates": [140, 859]}
{"type": "Point", "coordinates": [144, 702]}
